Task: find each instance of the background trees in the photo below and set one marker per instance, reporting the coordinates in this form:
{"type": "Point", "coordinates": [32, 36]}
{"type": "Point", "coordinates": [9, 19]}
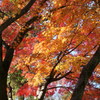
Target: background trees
{"type": "Point", "coordinates": [48, 40]}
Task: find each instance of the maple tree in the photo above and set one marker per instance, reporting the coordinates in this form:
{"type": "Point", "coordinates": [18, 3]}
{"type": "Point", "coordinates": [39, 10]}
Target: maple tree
{"type": "Point", "coordinates": [12, 32]}
{"type": "Point", "coordinates": [48, 41]}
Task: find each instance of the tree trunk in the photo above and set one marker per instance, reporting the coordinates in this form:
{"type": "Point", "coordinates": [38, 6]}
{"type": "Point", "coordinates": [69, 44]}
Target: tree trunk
{"type": "Point", "coordinates": [3, 86]}
{"type": "Point", "coordinates": [44, 92]}
{"type": "Point", "coordinates": [4, 67]}
{"type": "Point", "coordinates": [85, 75]}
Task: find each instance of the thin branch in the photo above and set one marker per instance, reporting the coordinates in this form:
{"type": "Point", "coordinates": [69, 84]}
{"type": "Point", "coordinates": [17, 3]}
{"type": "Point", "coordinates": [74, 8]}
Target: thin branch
{"type": "Point", "coordinates": [90, 50]}
{"type": "Point", "coordinates": [56, 87]}
{"type": "Point", "coordinates": [55, 9]}
{"type": "Point", "coordinates": [57, 75]}
{"type": "Point", "coordinates": [73, 48]}
{"type": "Point", "coordinates": [22, 32]}
{"type": "Point", "coordinates": [3, 14]}
{"type": "Point", "coordinates": [64, 6]}
{"type": "Point", "coordinates": [56, 79]}
{"type": "Point", "coordinates": [58, 57]}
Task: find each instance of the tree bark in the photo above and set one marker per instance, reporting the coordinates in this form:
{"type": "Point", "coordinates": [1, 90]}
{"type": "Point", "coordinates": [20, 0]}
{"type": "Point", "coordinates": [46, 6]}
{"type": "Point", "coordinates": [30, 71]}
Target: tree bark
{"type": "Point", "coordinates": [3, 76]}
{"type": "Point", "coordinates": [4, 66]}
{"type": "Point", "coordinates": [85, 75]}
{"type": "Point", "coordinates": [44, 91]}
{"type": "Point", "coordinates": [3, 86]}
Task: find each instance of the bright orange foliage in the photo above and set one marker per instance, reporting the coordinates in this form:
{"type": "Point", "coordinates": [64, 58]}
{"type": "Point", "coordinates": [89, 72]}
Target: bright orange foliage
{"type": "Point", "coordinates": [72, 29]}
{"type": "Point", "coordinates": [63, 38]}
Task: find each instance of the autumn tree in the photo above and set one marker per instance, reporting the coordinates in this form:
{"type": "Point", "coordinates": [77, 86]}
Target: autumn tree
{"type": "Point", "coordinates": [70, 39]}
{"type": "Point", "coordinates": [13, 30]}
{"type": "Point", "coordinates": [48, 40]}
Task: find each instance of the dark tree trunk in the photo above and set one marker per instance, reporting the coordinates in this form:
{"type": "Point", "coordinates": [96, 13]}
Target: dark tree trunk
{"type": "Point", "coordinates": [3, 86]}
{"type": "Point", "coordinates": [85, 75]}
{"type": "Point", "coordinates": [44, 91]}
{"type": "Point", "coordinates": [3, 76]}
{"type": "Point", "coordinates": [4, 67]}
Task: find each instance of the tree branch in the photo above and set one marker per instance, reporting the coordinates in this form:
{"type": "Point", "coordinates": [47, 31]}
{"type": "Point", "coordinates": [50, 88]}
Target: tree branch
{"type": "Point", "coordinates": [56, 79]}
{"type": "Point", "coordinates": [22, 32]}
{"type": "Point", "coordinates": [2, 14]}
{"type": "Point", "coordinates": [90, 50]}
{"type": "Point", "coordinates": [85, 75]}
{"type": "Point", "coordinates": [56, 87]}
{"type": "Point", "coordinates": [10, 20]}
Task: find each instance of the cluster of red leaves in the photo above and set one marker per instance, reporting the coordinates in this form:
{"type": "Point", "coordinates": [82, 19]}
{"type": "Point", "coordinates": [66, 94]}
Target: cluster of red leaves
{"type": "Point", "coordinates": [26, 90]}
